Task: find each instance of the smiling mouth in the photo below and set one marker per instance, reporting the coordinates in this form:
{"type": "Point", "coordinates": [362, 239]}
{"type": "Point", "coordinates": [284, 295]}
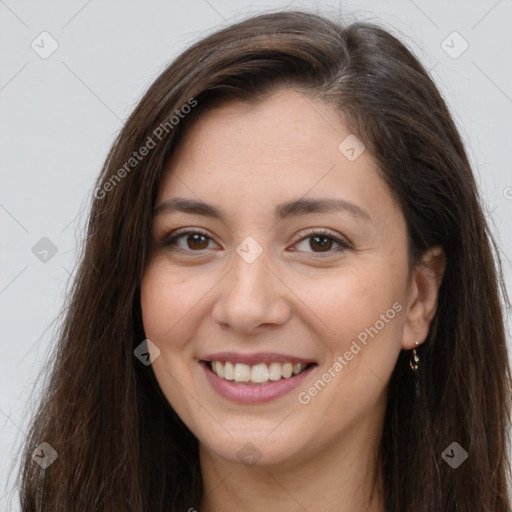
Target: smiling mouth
{"type": "Point", "coordinates": [257, 374]}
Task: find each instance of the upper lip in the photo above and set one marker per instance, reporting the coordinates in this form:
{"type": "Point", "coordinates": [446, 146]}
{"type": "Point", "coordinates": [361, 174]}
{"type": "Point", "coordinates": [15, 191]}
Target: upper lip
{"type": "Point", "coordinates": [256, 358]}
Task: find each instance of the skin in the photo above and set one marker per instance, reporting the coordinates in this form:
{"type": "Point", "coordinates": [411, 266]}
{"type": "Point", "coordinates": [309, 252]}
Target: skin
{"type": "Point", "coordinates": [295, 298]}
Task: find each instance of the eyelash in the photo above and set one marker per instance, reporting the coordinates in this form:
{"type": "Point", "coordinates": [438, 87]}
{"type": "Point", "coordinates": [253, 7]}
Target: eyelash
{"type": "Point", "coordinates": [170, 240]}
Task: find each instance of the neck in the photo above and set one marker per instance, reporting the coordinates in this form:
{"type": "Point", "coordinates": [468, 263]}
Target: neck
{"type": "Point", "coordinates": [345, 477]}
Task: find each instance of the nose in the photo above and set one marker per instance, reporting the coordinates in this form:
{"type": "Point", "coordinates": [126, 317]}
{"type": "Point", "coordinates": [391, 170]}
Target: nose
{"type": "Point", "coordinates": [251, 297]}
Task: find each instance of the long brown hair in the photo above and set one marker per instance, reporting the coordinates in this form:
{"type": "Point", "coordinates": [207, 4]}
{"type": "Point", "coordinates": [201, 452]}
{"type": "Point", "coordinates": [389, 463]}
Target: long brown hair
{"type": "Point", "coordinates": [120, 445]}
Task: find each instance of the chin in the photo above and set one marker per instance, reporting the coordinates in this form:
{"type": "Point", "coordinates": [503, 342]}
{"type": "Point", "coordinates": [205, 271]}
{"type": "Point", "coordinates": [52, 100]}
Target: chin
{"type": "Point", "coordinates": [247, 447]}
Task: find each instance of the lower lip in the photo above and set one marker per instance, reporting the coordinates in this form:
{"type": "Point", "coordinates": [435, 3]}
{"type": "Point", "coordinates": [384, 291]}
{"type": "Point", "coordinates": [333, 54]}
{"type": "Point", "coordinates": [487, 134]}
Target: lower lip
{"type": "Point", "coordinates": [256, 393]}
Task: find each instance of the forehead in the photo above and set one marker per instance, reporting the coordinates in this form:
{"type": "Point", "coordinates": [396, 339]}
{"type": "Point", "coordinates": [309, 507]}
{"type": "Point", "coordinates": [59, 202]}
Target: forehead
{"type": "Point", "coordinates": [285, 147]}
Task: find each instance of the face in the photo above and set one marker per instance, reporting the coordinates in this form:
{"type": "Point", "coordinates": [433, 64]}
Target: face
{"type": "Point", "coordinates": [276, 251]}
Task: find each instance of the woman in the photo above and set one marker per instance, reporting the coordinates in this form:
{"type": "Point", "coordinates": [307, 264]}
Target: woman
{"type": "Point", "coordinates": [288, 296]}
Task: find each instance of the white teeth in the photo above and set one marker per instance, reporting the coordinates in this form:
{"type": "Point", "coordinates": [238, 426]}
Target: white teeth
{"type": "Point", "coordinates": [218, 368]}
{"type": "Point", "coordinates": [274, 371]}
{"type": "Point", "coordinates": [229, 370]}
{"type": "Point", "coordinates": [287, 370]}
{"type": "Point", "coordinates": [258, 373]}
{"type": "Point", "coordinates": [242, 372]}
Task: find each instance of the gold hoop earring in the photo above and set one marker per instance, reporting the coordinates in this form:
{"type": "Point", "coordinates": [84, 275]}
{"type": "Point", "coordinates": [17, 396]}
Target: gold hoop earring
{"type": "Point", "coordinates": [413, 363]}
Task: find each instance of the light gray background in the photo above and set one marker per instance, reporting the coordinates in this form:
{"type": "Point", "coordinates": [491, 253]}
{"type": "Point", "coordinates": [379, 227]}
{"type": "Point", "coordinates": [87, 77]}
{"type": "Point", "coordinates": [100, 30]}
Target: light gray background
{"type": "Point", "coordinates": [59, 115]}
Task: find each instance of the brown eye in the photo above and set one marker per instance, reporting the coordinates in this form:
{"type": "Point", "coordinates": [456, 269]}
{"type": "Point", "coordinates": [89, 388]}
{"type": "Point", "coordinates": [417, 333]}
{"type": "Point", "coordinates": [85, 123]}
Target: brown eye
{"type": "Point", "coordinates": [183, 241]}
{"type": "Point", "coordinates": [197, 241]}
{"type": "Point", "coordinates": [320, 243]}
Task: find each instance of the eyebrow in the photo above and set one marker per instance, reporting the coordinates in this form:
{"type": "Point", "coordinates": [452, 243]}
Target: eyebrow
{"type": "Point", "coordinates": [288, 209]}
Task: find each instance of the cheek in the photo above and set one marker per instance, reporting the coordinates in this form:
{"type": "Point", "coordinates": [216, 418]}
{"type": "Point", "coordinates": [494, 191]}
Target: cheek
{"type": "Point", "coordinates": [155, 302]}
{"type": "Point", "coordinates": [167, 299]}
{"type": "Point", "coordinates": [362, 317]}
{"type": "Point", "coordinates": [348, 302]}
{"type": "Point", "coordinates": [165, 318]}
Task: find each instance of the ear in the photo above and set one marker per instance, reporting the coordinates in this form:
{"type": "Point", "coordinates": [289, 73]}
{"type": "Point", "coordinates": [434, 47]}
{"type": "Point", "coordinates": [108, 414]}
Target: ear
{"type": "Point", "coordinates": [423, 292]}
